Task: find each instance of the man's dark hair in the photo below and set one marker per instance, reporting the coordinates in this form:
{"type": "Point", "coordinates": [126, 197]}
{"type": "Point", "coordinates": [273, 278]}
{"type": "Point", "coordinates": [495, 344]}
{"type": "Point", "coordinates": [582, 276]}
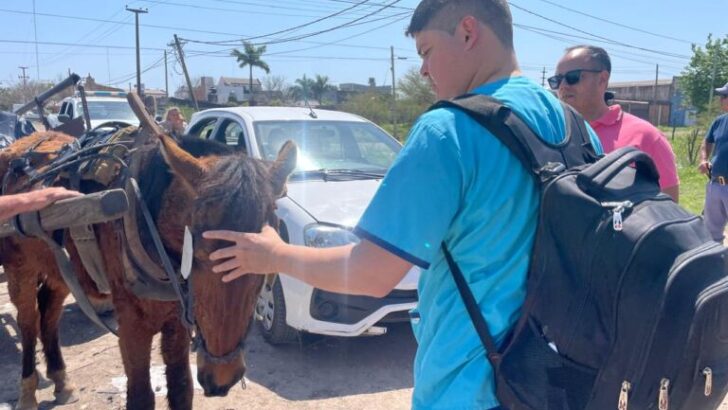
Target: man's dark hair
{"type": "Point", "coordinates": [445, 15]}
{"type": "Point", "coordinates": [595, 54]}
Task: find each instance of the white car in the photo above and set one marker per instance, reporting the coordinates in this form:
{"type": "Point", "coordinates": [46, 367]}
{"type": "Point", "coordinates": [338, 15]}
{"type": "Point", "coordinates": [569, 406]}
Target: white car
{"type": "Point", "coordinates": [341, 161]}
{"type": "Point", "coordinates": [103, 107]}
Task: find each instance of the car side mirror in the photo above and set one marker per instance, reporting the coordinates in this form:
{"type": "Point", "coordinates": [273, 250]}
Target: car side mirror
{"type": "Point", "coordinates": [64, 118]}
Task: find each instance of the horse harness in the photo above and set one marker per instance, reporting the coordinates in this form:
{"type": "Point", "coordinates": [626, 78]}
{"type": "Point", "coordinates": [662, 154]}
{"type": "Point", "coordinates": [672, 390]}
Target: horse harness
{"type": "Point", "coordinates": [112, 159]}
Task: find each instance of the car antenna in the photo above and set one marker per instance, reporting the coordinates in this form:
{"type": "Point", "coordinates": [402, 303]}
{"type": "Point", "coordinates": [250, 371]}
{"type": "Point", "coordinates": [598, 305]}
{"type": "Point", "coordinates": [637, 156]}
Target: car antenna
{"type": "Point", "coordinates": [311, 113]}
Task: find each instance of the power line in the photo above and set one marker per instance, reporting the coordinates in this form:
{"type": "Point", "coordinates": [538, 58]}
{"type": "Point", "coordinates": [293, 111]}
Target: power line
{"type": "Point", "coordinates": [316, 33]}
{"type": "Point", "coordinates": [56, 43]}
{"type": "Point", "coordinates": [237, 40]}
{"type": "Point", "coordinates": [595, 35]}
{"type": "Point", "coordinates": [318, 44]}
{"type": "Point", "coordinates": [611, 52]}
{"type": "Point", "coordinates": [247, 12]}
{"type": "Point", "coordinates": [374, 4]}
{"type": "Point", "coordinates": [615, 23]}
{"type": "Point", "coordinates": [566, 37]}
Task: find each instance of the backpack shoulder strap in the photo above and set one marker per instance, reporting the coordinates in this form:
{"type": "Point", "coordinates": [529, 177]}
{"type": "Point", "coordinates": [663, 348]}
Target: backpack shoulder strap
{"type": "Point", "coordinates": [537, 155]}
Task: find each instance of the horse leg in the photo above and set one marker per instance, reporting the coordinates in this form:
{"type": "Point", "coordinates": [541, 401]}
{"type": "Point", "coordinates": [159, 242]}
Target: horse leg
{"type": "Point", "coordinates": [176, 355]}
{"type": "Point", "coordinates": [23, 293]}
{"type": "Point", "coordinates": [50, 304]}
{"type": "Point", "coordinates": [135, 344]}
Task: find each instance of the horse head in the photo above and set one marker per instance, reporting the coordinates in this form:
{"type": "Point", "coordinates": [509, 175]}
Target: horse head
{"type": "Point", "coordinates": [210, 192]}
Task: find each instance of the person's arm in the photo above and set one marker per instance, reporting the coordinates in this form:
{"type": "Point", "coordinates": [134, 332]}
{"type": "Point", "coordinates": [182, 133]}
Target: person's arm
{"type": "Point", "coordinates": [361, 269]}
{"type": "Point", "coordinates": [706, 150]}
{"type": "Point", "coordinates": [673, 191]}
{"type": "Point", "coordinates": [11, 205]}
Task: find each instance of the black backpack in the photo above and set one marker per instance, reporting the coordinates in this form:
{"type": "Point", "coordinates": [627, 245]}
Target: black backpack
{"type": "Point", "coordinates": [627, 294]}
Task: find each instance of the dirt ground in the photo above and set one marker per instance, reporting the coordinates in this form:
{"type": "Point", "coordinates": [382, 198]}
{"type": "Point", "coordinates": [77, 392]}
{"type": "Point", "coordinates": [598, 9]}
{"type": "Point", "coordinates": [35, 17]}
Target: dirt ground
{"type": "Point", "coordinates": [320, 373]}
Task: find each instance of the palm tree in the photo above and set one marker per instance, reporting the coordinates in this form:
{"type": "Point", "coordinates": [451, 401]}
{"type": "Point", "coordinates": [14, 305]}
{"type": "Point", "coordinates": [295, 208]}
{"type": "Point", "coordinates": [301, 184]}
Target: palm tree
{"type": "Point", "coordinates": [320, 86]}
{"type": "Point", "coordinates": [302, 89]}
{"type": "Point", "coordinates": [251, 58]}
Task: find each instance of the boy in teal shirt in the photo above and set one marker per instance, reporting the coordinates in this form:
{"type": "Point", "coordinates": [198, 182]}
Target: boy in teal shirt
{"type": "Point", "coordinates": [453, 182]}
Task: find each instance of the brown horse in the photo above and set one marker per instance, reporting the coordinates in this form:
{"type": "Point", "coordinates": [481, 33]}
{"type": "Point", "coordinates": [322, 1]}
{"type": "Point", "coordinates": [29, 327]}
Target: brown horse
{"type": "Point", "coordinates": [35, 284]}
{"type": "Point", "coordinates": [200, 185]}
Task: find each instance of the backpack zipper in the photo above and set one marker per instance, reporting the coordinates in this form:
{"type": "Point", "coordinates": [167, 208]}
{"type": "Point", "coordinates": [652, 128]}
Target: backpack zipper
{"type": "Point", "coordinates": [623, 403]}
{"type": "Point", "coordinates": [688, 257]}
{"type": "Point", "coordinates": [663, 400]}
{"type": "Point", "coordinates": [617, 209]}
{"type": "Point", "coordinates": [601, 235]}
{"type": "Point", "coordinates": [638, 244]}
{"type": "Point", "coordinates": [708, 373]}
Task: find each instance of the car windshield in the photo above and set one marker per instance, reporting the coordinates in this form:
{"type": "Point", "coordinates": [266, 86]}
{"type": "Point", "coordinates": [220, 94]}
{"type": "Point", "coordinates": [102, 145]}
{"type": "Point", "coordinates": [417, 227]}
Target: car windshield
{"type": "Point", "coordinates": [331, 147]}
{"type": "Point", "coordinates": [111, 110]}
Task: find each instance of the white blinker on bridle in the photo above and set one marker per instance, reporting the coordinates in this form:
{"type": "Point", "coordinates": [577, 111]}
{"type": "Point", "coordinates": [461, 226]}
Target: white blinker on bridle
{"type": "Point", "coordinates": [187, 253]}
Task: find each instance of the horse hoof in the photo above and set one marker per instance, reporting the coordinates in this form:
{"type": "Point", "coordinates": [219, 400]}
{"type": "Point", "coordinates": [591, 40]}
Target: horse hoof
{"type": "Point", "coordinates": [64, 391]}
{"type": "Point", "coordinates": [28, 386]}
{"type": "Point", "coordinates": [66, 396]}
{"type": "Point", "coordinates": [27, 405]}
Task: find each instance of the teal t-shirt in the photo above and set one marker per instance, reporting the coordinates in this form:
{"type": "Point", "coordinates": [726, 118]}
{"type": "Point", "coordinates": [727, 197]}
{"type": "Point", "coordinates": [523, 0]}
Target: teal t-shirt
{"type": "Point", "coordinates": [455, 182]}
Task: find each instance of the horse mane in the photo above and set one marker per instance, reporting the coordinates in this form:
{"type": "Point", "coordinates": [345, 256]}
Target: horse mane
{"type": "Point", "coordinates": [157, 175]}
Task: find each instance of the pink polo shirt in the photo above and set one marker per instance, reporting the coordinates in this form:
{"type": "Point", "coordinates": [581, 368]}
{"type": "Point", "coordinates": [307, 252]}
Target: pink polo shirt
{"type": "Point", "coordinates": [617, 129]}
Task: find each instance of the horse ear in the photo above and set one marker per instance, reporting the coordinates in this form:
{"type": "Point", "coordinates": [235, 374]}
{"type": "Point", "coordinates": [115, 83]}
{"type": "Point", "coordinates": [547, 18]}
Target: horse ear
{"type": "Point", "coordinates": [183, 165]}
{"type": "Point", "coordinates": [283, 166]}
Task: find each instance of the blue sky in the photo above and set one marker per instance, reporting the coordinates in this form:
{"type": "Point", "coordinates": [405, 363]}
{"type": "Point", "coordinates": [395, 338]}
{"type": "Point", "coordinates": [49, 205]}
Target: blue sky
{"type": "Point", "coordinates": [97, 37]}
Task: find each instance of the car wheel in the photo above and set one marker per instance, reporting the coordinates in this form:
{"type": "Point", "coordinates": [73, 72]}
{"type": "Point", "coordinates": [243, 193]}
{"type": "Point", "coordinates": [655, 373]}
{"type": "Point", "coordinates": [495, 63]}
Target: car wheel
{"type": "Point", "coordinates": [270, 310]}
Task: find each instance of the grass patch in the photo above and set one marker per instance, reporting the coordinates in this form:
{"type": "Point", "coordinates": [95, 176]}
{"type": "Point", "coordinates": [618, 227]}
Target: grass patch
{"type": "Point", "coordinates": [692, 182]}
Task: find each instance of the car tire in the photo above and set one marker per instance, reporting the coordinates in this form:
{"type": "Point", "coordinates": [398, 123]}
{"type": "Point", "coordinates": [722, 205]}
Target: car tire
{"type": "Point", "coordinates": [270, 312]}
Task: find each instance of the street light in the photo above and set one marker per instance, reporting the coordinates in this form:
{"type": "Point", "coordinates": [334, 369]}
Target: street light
{"type": "Point", "coordinates": [138, 63]}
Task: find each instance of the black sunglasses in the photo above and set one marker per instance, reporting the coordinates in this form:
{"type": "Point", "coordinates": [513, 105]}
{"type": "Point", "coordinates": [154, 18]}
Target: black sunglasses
{"type": "Point", "coordinates": [572, 77]}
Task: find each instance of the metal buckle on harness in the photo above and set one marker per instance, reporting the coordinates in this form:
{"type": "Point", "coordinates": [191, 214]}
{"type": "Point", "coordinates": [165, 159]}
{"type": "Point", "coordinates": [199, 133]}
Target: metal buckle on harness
{"type": "Point", "coordinates": [721, 180]}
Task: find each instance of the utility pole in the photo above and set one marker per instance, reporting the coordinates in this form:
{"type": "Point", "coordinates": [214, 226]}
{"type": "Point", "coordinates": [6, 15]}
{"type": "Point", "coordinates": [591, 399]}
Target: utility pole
{"type": "Point", "coordinates": [166, 78]}
{"type": "Point", "coordinates": [23, 76]}
{"type": "Point", "coordinates": [654, 96]}
{"type": "Point", "coordinates": [712, 80]}
{"type": "Point", "coordinates": [181, 55]}
{"type": "Point", "coordinates": [138, 61]}
{"type": "Point", "coordinates": [394, 91]}
{"type": "Point", "coordinates": [543, 77]}
{"type": "Point", "coordinates": [394, 95]}
{"type": "Point", "coordinates": [35, 33]}
{"type": "Point", "coordinates": [25, 80]}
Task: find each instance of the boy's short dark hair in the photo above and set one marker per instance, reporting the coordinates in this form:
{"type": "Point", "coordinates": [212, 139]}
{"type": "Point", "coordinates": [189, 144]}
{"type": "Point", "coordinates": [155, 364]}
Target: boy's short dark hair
{"type": "Point", "coordinates": [445, 15]}
{"type": "Point", "coordinates": [596, 54]}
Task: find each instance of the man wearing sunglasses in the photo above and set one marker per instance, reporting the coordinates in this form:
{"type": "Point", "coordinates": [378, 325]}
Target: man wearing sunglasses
{"type": "Point", "coordinates": [716, 168]}
{"type": "Point", "coordinates": [581, 80]}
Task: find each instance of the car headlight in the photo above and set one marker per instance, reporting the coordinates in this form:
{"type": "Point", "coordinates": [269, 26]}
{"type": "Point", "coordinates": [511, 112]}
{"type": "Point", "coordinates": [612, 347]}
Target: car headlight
{"type": "Point", "coordinates": [327, 236]}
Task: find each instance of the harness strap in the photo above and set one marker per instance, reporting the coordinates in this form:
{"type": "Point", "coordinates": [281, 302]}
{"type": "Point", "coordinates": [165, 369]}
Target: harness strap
{"type": "Point", "coordinates": [88, 249]}
{"type": "Point", "coordinates": [31, 223]}
{"type": "Point", "coordinates": [186, 307]}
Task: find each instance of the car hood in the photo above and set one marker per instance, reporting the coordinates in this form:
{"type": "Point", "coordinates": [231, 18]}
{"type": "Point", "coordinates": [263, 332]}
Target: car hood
{"type": "Point", "coordinates": [336, 202]}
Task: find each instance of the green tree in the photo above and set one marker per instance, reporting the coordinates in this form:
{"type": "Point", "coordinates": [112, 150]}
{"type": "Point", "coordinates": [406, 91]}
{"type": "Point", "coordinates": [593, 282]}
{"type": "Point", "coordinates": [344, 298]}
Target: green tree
{"type": "Point", "coordinates": [303, 88]}
{"type": "Point", "coordinates": [706, 61]}
{"type": "Point", "coordinates": [416, 95]}
{"type": "Point", "coordinates": [371, 105]}
{"type": "Point", "coordinates": [320, 86]}
{"type": "Point", "coordinates": [415, 88]}
{"type": "Point", "coordinates": [251, 57]}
